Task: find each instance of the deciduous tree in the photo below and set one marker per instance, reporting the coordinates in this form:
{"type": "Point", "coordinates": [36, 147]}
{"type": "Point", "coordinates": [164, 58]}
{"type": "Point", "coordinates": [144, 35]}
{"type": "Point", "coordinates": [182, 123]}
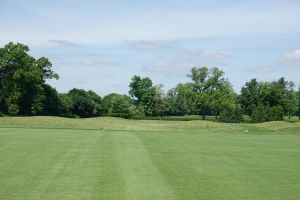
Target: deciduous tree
{"type": "Point", "coordinates": [144, 93]}
{"type": "Point", "coordinates": [205, 83]}
{"type": "Point", "coordinates": [21, 80]}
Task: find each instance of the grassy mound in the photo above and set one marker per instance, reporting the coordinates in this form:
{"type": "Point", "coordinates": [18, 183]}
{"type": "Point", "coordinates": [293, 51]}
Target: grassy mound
{"type": "Point", "coordinates": [111, 123]}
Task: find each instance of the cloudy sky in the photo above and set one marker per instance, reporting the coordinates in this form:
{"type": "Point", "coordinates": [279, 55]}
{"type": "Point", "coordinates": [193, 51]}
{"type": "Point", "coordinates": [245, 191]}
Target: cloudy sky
{"type": "Point", "coordinates": [101, 44]}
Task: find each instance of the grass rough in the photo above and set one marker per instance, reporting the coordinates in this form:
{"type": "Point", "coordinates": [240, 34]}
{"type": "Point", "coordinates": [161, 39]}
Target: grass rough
{"type": "Point", "coordinates": [112, 123]}
{"type": "Point", "coordinates": [108, 158]}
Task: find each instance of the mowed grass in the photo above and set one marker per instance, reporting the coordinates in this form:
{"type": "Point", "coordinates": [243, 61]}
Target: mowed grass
{"type": "Point", "coordinates": [108, 158]}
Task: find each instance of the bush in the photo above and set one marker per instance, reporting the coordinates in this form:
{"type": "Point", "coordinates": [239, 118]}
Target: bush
{"type": "Point", "coordinates": [232, 114]}
{"type": "Point", "coordinates": [83, 105]}
{"type": "Point", "coordinates": [259, 114]}
{"type": "Point", "coordinates": [51, 101]}
{"type": "Point", "coordinates": [276, 113]}
{"type": "Point", "coordinates": [264, 114]}
{"type": "Point", "coordinates": [136, 112]}
{"type": "Point", "coordinates": [65, 105]}
{"type": "Point", "coordinates": [121, 115]}
{"type": "Point", "coordinates": [120, 104]}
{"type": "Point", "coordinates": [13, 109]}
{"type": "Point", "coordinates": [116, 105]}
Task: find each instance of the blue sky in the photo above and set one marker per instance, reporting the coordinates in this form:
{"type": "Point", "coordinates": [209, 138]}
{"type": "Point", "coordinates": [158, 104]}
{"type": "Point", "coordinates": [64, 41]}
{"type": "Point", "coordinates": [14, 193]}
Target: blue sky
{"type": "Point", "coordinates": [100, 45]}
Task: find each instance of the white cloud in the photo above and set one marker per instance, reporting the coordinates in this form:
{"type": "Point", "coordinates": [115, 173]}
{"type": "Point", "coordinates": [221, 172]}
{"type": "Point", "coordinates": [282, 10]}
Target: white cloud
{"type": "Point", "coordinates": [208, 53]}
{"type": "Point", "coordinates": [170, 66]}
{"type": "Point", "coordinates": [144, 44]}
{"type": "Point", "coordinates": [171, 47]}
{"type": "Point", "coordinates": [260, 70]}
{"type": "Point", "coordinates": [293, 56]}
{"type": "Point", "coordinates": [65, 43]}
{"type": "Point", "coordinates": [94, 62]}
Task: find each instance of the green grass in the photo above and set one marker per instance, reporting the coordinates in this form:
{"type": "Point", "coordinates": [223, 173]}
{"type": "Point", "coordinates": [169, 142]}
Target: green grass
{"type": "Point", "coordinates": [292, 119]}
{"type": "Point", "coordinates": [180, 118]}
{"type": "Point", "coordinates": [108, 158]}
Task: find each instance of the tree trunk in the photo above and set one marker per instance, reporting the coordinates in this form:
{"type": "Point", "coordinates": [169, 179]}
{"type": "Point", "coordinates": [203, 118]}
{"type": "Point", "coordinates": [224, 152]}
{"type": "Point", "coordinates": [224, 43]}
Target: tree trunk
{"type": "Point", "coordinates": [299, 110]}
{"type": "Point", "coordinates": [217, 112]}
{"type": "Point", "coordinates": [203, 113]}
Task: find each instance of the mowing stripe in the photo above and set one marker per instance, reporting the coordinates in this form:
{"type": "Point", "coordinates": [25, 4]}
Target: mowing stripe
{"type": "Point", "coordinates": [142, 178]}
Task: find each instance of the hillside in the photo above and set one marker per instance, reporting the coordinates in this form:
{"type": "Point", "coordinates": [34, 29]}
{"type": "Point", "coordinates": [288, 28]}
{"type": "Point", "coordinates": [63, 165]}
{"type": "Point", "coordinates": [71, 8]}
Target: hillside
{"type": "Point", "coordinates": [111, 123]}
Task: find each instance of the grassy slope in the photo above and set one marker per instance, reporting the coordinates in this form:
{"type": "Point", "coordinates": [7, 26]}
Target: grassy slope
{"type": "Point", "coordinates": [198, 163]}
{"type": "Point", "coordinates": [110, 123]}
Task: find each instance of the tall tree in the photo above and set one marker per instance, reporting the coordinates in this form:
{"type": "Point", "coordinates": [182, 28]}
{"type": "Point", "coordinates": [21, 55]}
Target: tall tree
{"type": "Point", "coordinates": [116, 104]}
{"type": "Point", "coordinates": [181, 100]}
{"type": "Point", "coordinates": [120, 105]}
{"type": "Point", "coordinates": [21, 80]}
{"type": "Point", "coordinates": [222, 97]}
{"type": "Point", "coordinates": [96, 101]}
{"type": "Point", "coordinates": [280, 92]}
{"type": "Point", "coordinates": [143, 92]}
{"type": "Point", "coordinates": [65, 105]}
{"type": "Point", "coordinates": [250, 96]}
{"type": "Point", "coordinates": [85, 103]}
{"type": "Point", "coordinates": [159, 100]}
{"type": "Point", "coordinates": [45, 66]}
{"type": "Point", "coordinates": [298, 99]}
{"type": "Point", "coordinates": [274, 97]}
{"type": "Point", "coordinates": [107, 102]}
{"type": "Point", "coordinates": [205, 81]}
{"type": "Point", "coordinates": [51, 102]}
{"type": "Point", "coordinates": [286, 95]}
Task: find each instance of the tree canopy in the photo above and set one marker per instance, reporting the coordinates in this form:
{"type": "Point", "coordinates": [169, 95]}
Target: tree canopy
{"type": "Point", "coordinates": [23, 91]}
{"type": "Point", "coordinates": [22, 80]}
{"type": "Point", "coordinates": [144, 93]}
{"type": "Point", "coordinates": [211, 89]}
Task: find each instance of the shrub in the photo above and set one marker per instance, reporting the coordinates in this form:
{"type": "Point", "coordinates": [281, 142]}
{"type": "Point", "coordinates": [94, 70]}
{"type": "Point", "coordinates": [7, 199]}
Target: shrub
{"type": "Point", "coordinates": [65, 105]}
{"type": "Point", "coordinates": [13, 109]}
{"type": "Point", "coordinates": [83, 105]}
{"type": "Point", "coordinates": [276, 113]}
{"type": "Point", "coordinates": [233, 114]}
{"type": "Point", "coordinates": [136, 112]}
{"type": "Point", "coordinates": [51, 101]}
{"type": "Point", "coordinates": [122, 115]}
{"type": "Point", "coordinates": [259, 114]}
{"type": "Point", "coordinates": [264, 114]}
{"type": "Point", "coordinates": [120, 104]}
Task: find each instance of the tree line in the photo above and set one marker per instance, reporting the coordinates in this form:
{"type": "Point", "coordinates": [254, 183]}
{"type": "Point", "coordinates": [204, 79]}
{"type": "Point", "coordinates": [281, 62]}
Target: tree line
{"type": "Point", "coordinates": [24, 92]}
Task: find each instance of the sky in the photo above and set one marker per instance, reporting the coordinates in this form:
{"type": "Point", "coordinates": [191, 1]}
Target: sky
{"type": "Point", "coordinates": [101, 44]}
